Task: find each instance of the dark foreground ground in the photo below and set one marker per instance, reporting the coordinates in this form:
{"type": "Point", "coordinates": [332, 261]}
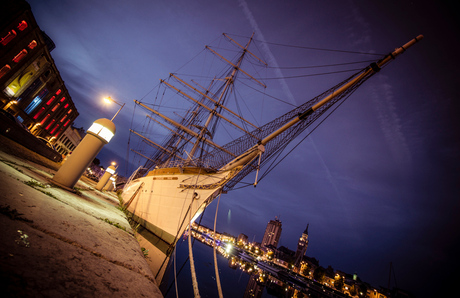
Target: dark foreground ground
{"type": "Point", "coordinates": [55, 243]}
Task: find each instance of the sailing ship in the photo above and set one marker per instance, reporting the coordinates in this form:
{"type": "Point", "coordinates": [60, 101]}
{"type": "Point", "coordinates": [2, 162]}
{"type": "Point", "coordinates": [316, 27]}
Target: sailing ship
{"type": "Point", "coordinates": [189, 169]}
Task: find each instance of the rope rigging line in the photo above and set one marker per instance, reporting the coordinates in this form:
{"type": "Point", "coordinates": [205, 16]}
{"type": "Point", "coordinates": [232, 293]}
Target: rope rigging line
{"type": "Point", "coordinates": [273, 164]}
{"type": "Point", "coordinates": [175, 274]}
{"type": "Point", "coordinates": [320, 66]}
{"type": "Point", "coordinates": [274, 147]}
{"type": "Point", "coordinates": [268, 95]}
{"type": "Point", "coordinates": [311, 75]}
{"type": "Point", "coordinates": [190, 250]}
{"type": "Point", "coordinates": [318, 49]}
{"type": "Point", "coordinates": [308, 48]}
{"type": "Point", "coordinates": [186, 260]}
{"type": "Point", "coordinates": [192, 262]}
{"type": "Point", "coordinates": [216, 269]}
{"type": "Point", "coordinates": [127, 147]}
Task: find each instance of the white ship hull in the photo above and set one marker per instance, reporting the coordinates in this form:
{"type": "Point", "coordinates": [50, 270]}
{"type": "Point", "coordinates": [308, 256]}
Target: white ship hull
{"type": "Point", "coordinates": [166, 200]}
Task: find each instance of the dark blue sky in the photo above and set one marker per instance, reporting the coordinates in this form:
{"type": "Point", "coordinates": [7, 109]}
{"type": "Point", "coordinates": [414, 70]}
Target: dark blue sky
{"type": "Point", "coordinates": [378, 181]}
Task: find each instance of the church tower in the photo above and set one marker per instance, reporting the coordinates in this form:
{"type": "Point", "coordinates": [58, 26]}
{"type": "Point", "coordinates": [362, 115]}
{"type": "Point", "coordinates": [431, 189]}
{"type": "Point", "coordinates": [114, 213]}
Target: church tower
{"type": "Point", "coordinates": [301, 247]}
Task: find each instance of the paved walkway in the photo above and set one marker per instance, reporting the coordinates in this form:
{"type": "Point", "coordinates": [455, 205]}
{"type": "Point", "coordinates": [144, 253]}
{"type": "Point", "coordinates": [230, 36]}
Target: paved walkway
{"type": "Point", "coordinates": [55, 243]}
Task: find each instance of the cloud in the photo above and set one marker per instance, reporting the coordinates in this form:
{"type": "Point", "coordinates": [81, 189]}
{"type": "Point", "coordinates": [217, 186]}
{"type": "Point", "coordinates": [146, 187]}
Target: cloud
{"type": "Point", "coordinates": [364, 35]}
{"type": "Point", "coordinates": [390, 123]}
{"type": "Point", "coordinates": [382, 96]}
{"type": "Point", "coordinates": [272, 61]}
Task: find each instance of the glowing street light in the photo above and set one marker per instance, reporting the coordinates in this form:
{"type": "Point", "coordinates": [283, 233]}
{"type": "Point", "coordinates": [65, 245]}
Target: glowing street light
{"type": "Point", "coordinates": [110, 100]}
{"type": "Point", "coordinates": [98, 134]}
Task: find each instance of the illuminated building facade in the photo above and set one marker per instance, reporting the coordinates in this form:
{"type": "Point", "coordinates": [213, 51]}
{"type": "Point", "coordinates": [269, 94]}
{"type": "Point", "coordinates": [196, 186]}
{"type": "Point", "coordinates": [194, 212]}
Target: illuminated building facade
{"type": "Point", "coordinates": [272, 233]}
{"type": "Point", "coordinates": [69, 140]}
{"type": "Point", "coordinates": [31, 87]}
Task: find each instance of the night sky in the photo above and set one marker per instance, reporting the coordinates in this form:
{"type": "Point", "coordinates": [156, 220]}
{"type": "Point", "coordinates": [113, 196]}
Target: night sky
{"type": "Point", "coordinates": [378, 182]}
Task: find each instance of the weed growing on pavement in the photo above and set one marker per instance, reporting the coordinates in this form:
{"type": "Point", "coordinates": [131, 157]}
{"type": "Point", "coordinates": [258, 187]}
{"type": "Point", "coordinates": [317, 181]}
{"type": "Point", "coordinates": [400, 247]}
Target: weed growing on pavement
{"type": "Point", "coordinates": [49, 194]}
{"type": "Point", "coordinates": [145, 252]}
{"type": "Point", "coordinates": [115, 224]}
{"type": "Point", "coordinates": [134, 225]}
{"type": "Point", "coordinates": [34, 183]}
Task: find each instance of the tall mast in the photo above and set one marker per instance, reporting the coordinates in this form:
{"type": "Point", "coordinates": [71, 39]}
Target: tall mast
{"type": "Point", "coordinates": [228, 83]}
{"type": "Point", "coordinates": [184, 128]}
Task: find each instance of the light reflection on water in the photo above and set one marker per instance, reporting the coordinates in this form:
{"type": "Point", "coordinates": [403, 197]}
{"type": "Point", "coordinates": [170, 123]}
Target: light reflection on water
{"type": "Point", "coordinates": [233, 281]}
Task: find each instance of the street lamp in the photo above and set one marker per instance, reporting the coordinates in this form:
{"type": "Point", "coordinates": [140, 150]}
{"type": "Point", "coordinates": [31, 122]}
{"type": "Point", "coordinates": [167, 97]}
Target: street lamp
{"type": "Point", "coordinates": [109, 100]}
{"type": "Point", "coordinates": [105, 178]}
{"type": "Point", "coordinates": [98, 134]}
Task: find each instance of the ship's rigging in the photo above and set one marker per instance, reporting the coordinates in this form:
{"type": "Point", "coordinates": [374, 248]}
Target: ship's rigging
{"type": "Point", "coordinates": [195, 162]}
{"type": "Point", "coordinates": [191, 139]}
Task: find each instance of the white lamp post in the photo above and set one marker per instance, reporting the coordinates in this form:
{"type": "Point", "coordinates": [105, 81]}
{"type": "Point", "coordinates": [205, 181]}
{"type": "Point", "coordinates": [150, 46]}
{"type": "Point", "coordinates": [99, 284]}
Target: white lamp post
{"type": "Point", "coordinates": [105, 178]}
{"type": "Point", "coordinates": [99, 134]}
{"type": "Point", "coordinates": [111, 184]}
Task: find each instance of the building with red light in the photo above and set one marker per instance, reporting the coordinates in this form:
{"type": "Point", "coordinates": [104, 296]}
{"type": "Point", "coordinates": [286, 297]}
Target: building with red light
{"type": "Point", "coordinates": [31, 87]}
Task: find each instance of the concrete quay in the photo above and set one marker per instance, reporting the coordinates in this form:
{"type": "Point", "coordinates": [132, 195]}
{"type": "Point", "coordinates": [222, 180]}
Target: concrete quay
{"type": "Point", "coordinates": [56, 243]}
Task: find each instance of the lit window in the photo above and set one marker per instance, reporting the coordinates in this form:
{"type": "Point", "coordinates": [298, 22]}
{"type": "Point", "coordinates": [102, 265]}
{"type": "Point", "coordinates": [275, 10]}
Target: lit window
{"type": "Point", "coordinates": [32, 44]}
{"type": "Point", "coordinates": [50, 100]}
{"type": "Point", "coordinates": [58, 132]}
{"type": "Point", "coordinates": [44, 119]}
{"type": "Point", "coordinates": [67, 123]}
{"type": "Point", "coordinates": [66, 106]}
{"type": "Point", "coordinates": [39, 113]}
{"type": "Point", "coordinates": [54, 129]}
{"type": "Point", "coordinates": [25, 76]}
{"type": "Point", "coordinates": [63, 118]}
{"type": "Point", "coordinates": [5, 40]}
{"type": "Point", "coordinates": [55, 107]}
{"type": "Point", "coordinates": [22, 26]}
{"type": "Point", "coordinates": [36, 101]}
{"type": "Point", "coordinates": [19, 56]}
{"type": "Point", "coordinates": [62, 99]}
{"type": "Point", "coordinates": [58, 92]}
{"type": "Point", "coordinates": [4, 70]}
{"type": "Point", "coordinates": [49, 125]}
{"type": "Point", "coordinates": [9, 91]}
{"type": "Point", "coordinates": [69, 111]}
